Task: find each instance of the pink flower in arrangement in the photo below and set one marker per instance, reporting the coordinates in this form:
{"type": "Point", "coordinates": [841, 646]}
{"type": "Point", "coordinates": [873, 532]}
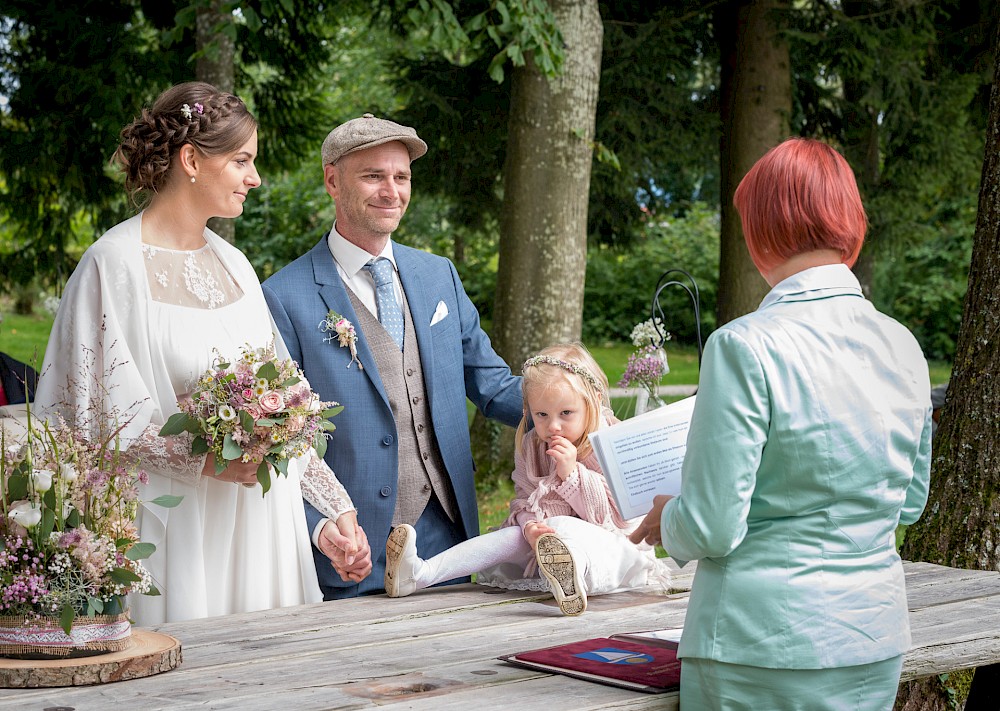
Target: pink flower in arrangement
{"type": "Point", "coordinates": [254, 410]}
{"type": "Point", "coordinates": [271, 402]}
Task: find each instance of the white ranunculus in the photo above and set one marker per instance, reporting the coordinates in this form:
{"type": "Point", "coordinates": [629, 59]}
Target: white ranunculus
{"type": "Point", "coordinates": [68, 472]}
{"type": "Point", "coordinates": [42, 479]}
{"type": "Point", "coordinates": [26, 514]}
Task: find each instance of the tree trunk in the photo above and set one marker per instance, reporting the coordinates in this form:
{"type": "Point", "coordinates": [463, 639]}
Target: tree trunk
{"type": "Point", "coordinates": [216, 65]}
{"type": "Point", "coordinates": [961, 525]}
{"type": "Point", "coordinates": [543, 229]}
{"type": "Point", "coordinates": [756, 106]}
{"type": "Point", "coordinates": [861, 148]}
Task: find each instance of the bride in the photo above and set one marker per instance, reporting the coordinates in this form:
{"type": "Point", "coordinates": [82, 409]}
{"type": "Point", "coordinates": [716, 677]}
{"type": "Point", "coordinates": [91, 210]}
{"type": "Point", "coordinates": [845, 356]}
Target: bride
{"type": "Point", "coordinates": [148, 304]}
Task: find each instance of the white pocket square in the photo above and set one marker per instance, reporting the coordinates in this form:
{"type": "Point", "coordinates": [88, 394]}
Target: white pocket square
{"type": "Point", "coordinates": [439, 313]}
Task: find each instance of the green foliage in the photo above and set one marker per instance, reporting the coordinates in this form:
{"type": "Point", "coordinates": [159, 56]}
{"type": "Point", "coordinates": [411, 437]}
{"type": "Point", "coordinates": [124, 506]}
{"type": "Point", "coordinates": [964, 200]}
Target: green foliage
{"type": "Point", "coordinates": [73, 75]}
{"type": "Point", "coordinates": [512, 30]}
{"type": "Point", "coordinates": [657, 114]}
{"type": "Point", "coordinates": [620, 283]}
{"type": "Point", "coordinates": [283, 219]}
{"type": "Point", "coordinates": [923, 283]}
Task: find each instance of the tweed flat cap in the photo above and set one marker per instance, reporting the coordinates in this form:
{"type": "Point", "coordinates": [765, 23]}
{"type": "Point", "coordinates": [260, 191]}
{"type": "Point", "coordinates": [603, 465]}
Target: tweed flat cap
{"type": "Point", "coordinates": [368, 132]}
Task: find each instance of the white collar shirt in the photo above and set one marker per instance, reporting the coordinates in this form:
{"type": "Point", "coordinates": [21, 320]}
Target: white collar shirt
{"type": "Point", "coordinates": [351, 260]}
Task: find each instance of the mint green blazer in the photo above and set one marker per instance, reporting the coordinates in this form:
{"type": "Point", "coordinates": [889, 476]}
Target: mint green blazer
{"type": "Point", "coordinates": [809, 443]}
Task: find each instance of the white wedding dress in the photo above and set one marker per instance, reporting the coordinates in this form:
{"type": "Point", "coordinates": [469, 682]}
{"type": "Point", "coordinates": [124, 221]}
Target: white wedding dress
{"type": "Point", "coordinates": [163, 315]}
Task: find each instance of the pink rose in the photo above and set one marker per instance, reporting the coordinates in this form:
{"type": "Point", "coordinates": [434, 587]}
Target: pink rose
{"type": "Point", "coordinates": [247, 393]}
{"type": "Point", "coordinates": [253, 409]}
{"type": "Point", "coordinates": [271, 402]}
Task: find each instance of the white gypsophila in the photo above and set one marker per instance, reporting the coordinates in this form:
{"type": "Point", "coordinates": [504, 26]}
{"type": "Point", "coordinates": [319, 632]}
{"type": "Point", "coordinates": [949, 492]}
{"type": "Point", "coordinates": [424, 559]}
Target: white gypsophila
{"type": "Point", "coordinates": [650, 331]}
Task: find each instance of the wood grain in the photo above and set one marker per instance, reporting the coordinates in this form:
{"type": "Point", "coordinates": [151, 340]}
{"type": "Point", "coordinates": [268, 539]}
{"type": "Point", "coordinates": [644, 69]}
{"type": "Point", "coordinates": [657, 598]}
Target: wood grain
{"type": "Point", "coordinates": [149, 653]}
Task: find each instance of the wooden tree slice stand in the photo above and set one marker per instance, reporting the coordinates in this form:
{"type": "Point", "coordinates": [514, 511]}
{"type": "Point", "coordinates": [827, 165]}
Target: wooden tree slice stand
{"type": "Point", "coordinates": [149, 653]}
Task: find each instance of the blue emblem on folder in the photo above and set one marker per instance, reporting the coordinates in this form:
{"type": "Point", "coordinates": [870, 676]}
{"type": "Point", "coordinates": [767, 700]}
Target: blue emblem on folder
{"type": "Point", "coordinates": [611, 655]}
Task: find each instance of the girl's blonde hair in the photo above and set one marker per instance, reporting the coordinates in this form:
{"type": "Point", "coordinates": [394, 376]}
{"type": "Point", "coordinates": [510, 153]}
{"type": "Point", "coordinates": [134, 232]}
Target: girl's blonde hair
{"type": "Point", "coordinates": [572, 364]}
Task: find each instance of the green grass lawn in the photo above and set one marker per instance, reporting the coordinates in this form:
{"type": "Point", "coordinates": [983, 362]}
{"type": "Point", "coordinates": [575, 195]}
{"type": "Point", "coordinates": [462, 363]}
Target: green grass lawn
{"type": "Point", "coordinates": [25, 337]}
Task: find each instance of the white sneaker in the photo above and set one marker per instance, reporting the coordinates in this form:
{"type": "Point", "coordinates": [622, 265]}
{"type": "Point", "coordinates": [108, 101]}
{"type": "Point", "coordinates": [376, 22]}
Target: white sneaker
{"type": "Point", "coordinates": [401, 561]}
{"type": "Point", "coordinates": [555, 561]}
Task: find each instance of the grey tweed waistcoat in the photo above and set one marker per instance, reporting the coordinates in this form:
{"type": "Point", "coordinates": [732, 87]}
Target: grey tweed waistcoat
{"type": "Point", "coordinates": [421, 470]}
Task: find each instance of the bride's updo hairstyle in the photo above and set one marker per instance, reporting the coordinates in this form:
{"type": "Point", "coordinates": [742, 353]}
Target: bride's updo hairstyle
{"type": "Point", "coordinates": [214, 122]}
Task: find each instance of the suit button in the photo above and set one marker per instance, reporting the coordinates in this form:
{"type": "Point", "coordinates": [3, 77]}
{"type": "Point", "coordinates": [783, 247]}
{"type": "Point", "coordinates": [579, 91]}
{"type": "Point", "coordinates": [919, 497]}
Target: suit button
{"type": "Point", "coordinates": [426, 456]}
{"type": "Point", "coordinates": [385, 490]}
{"type": "Point", "coordinates": [427, 487]}
{"type": "Point", "coordinates": [387, 440]}
{"type": "Point", "coordinates": [416, 399]}
{"type": "Point", "coordinates": [420, 428]}
{"type": "Point", "coordinates": [409, 371]}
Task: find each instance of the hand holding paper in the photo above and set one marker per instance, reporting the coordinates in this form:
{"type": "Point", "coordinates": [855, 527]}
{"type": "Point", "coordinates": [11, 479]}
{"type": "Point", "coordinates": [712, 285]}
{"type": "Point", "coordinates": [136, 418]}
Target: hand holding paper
{"type": "Point", "coordinates": [642, 457]}
{"type": "Point", "coordinates": [649, 529]}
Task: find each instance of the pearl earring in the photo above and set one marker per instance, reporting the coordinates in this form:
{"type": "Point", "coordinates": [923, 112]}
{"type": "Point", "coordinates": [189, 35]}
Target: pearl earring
{"type": "Point", "coordinates": [192, 178]}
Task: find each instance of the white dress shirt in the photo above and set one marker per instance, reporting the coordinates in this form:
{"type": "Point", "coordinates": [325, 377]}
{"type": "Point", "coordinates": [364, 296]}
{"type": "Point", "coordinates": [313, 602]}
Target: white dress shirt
{"type": "Point", "coordinates": [351, 260]}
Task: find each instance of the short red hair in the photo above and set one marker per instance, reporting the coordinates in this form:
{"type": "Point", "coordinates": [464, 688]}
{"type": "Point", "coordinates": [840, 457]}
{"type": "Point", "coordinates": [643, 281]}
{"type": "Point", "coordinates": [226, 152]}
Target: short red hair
{"type": "Point", "coordinates": [799, 197]}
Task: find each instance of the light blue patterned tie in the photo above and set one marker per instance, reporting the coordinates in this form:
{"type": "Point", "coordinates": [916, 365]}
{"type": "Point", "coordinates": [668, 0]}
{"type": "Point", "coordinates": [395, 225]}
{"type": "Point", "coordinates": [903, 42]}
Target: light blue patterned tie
{"type": "Point", "coordinates": [389, 313]}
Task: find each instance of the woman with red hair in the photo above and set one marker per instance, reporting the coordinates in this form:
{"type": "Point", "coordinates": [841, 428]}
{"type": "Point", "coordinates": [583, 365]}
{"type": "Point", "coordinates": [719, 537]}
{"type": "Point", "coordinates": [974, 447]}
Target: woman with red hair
{"type": "Point", "coordinates": [809, 445]}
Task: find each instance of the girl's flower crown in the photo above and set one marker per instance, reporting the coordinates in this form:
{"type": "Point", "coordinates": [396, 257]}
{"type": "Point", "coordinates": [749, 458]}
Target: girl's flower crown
{"type": "Point", "coordinates": [565, 365]}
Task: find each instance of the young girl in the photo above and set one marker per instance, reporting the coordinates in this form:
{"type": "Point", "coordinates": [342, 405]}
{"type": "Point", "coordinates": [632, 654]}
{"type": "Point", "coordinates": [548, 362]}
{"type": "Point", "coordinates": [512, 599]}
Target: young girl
{"type": "Point", "coordinates": [564, 532]}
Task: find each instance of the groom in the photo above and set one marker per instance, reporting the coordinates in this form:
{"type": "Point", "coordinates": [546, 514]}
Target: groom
{"type": "Point", "coordinates": [402, 443]}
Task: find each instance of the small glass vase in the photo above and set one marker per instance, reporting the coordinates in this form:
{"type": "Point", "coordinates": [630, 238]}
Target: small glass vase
{"type": "Point", "coordinates": [644, 402]}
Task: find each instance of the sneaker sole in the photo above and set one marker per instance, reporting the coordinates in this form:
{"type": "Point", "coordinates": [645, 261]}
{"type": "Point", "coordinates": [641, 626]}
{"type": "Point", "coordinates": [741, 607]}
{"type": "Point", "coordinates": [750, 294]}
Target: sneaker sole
{"type": "Point", "coordinates": [394, 548]}
{"type": "Point", "coordinates": [556, 563]}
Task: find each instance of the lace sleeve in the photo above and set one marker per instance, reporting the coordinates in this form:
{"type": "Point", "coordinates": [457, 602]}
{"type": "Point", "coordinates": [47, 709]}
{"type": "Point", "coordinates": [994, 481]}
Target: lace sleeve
{"type": "Point", "coordinates": [168, 456]}
{"type": "Point", "coordinates": [322, 489]}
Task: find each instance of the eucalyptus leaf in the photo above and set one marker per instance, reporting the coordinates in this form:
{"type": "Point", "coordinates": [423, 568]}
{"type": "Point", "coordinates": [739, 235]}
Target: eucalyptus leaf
{"type": "Point", "coordinates": [48, 523]}
{"type": "Point", "coordinates": [231, 450]}
{"type": "Point", "coordinates": [319, 444]}
{"type": "Point", "coordinates": [140, 551]}
{"type": "Point", "coordinates": [289, 382]}
{"type": "Point", "coordinates": [17, 487]}
{"type": "Point", "coordinates": [177, 423]}
{"type": "Point", "coordinates": [264, 476]}
{"type": "Point", "coordinates": [268, 371]}
{"type": "Point", "coordinates": [167, 501]}
{"type": "Point", "coordinates": [332, 411]}
{"type": "Point", "coordinates": [246, 421]}
{"type": "Point", "coordinates": [95, 605]}
{"type": "Point", "coordinates": [199, 445]}
{"type": "Point", "coordinates": [123, 576]}
{"type": "Point", "coordinates": [66, 618]}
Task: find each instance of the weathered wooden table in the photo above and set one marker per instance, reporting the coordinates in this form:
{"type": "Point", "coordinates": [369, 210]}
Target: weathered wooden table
{"type": "Point", "coordinates": [437, 650]}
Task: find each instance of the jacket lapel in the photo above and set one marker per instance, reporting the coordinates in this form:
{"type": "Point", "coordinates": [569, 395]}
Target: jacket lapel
{"type": "Point", "coordinates": [420, 311]}
{"type": "Point", "coordinates": [335, 297]}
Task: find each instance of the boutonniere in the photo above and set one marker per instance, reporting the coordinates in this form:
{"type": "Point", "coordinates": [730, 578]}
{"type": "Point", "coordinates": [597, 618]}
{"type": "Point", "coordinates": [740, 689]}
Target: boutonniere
{"type": "Point", "coordinates": [343, 331]}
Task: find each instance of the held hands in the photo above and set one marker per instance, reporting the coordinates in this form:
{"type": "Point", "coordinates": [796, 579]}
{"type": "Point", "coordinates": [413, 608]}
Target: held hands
{"type": "Point", "coordinates": [649, 529]}
{"type": "Point", "coordinates": [564, 454]}
{"type": "Point", "coordinates": [533, 530]}
{"type": "Point", "coordinates": [346, 545]}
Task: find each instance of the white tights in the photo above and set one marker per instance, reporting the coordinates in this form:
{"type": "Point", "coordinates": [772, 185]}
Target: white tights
{"type": "Point", "coordinates": [606, 561]}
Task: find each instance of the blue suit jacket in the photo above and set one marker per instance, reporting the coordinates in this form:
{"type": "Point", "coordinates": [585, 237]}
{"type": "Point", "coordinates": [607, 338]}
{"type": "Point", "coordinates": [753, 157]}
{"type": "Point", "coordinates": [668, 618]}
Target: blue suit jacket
{"type": "Point", "coordinates": [458, 362]}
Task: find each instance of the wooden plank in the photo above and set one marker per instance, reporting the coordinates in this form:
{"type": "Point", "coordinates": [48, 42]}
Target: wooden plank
{"type": "Point", "coordinates": [437, 649]}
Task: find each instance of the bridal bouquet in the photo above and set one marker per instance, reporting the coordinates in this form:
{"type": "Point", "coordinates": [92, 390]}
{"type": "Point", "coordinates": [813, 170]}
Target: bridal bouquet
{"type": "Point", "coordinates": [69, 548]}
{"type": "Point", "coordinates": [256, 409]}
